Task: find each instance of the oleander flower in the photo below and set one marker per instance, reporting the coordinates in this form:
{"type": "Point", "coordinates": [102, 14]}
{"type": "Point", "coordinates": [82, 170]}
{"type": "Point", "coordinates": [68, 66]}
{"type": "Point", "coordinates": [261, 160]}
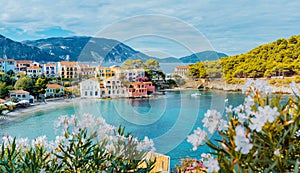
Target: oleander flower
{"type": "Point", "coordinates": [242, 140]}
{"type": "Point", "coordinates": [277, 152]}
{"type": "Point", "coordinates": [212, 165]}
{"type": "Point", "coordinates": [223, 125]}
{"type": "Point", "coordinates": [197, 138]}
{"type": "Point", "coordinates": [211, 120]}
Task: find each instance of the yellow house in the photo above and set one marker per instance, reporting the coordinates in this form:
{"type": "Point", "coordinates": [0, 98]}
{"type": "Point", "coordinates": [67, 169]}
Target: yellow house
{"type": "Point", "coordinates": [105, 72]}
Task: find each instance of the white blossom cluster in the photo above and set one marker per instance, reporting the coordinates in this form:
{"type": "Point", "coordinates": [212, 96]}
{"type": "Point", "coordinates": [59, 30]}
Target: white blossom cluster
{"type": "Point", "coordinates": [197, 138]}
{"type": "Point", "coordinates": [211, 164]}
{"type": "Point", "coordinates": [256, 86]}
{"type": "Point", "coordinates": [242, 140]}
{"type": "Point", "coordinates": [249, 115]}
{"type": "Point", "coordinates": [71, 127]}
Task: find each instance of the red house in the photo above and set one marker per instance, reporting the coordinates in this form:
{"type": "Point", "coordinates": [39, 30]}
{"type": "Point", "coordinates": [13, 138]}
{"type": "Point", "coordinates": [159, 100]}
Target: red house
{"type": "Point", "coordinates": [140, 89]}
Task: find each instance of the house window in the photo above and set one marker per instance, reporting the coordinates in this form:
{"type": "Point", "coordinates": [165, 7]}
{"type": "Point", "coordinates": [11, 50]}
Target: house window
{"type": "Point", "coordinates": [85, 93]}
{"type": "Point", "coordinates": [96, 93]}
{"type": "Point", "coordinates": [91, 93]}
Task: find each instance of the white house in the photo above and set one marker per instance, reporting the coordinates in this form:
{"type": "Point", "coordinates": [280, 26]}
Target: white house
{"type": "Point", "coordinates": [34, 71]}
{"type": "Point", "coordinates": [132, 75]}
{"type": "Point", "coordinates": [21, 95]}
{"type": "Point", "coordinates": [50, 69]}
{"type": "Point", "coordinates": [114, 88]}
{"type": "Point", "coordinates": [181, 71]}
{"type": "Point", "coordinates": [53, 89]}
{"type": "Point", "coordinates": [90, 88]}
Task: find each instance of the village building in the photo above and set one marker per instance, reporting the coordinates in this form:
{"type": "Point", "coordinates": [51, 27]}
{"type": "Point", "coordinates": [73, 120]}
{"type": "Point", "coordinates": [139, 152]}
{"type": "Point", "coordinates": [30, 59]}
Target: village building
{"type": "Point", "coordinates": [105, 72]}
{"type": "Point", "coordinates": [132, 75]}
{"type": "Point", "coordinates": [54, 90]}
{"type": "Point", "coordinates": [181, 71]}
{"type": "Point", "coordinates": [21, 95]}
{"type": "Point", "coordinates": [50, 69]}
{"type": "Point", "coordinates": [7, 65]}
{"type": "Point", "coordinates": [34, 71]}
{"type": "Point", "coordinates": [22, 65]}
{"type": "Point", "coordinates": [90, 88]}
{"type": "Point", "coordinates": [140, 89]}
{"type": "Point", "coordinates": [68, 70]}
{"type": "Point", "coordinates": [86, 70]}
{"type": "Point", "coordinates": [114, 88]}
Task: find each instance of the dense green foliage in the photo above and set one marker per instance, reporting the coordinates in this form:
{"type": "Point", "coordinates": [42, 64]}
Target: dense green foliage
{"type": "Point", "coordinates": [278, 58]}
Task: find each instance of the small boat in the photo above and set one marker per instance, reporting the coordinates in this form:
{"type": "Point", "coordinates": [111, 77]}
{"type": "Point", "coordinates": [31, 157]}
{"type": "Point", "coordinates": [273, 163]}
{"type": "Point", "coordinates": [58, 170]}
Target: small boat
{"type": "Point", "coordinates": [195, 94]}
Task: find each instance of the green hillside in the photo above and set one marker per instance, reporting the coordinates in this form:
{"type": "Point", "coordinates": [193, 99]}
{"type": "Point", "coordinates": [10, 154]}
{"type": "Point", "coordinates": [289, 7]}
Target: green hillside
{"type": "Point", "coordinates": [279, 58]}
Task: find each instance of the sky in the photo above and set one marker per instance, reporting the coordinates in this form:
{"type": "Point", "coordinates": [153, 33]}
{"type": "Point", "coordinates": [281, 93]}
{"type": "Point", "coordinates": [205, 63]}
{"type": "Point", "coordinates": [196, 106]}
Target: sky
{"type": "Point", "coordinates": [158, 28]}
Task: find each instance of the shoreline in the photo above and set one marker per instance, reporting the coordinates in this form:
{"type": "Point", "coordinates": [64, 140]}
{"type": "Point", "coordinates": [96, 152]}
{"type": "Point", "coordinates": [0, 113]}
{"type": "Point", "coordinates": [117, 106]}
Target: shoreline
{"type": "Point", "coordinates": [40, 106]}
{"type": "Point", "coordinates": [20, 113]}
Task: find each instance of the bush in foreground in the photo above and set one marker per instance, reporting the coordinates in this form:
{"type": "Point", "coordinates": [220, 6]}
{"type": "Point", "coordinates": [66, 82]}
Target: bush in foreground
{"type": "Point", "coordinates": [85, 145]}
{"type": "Point", "coordinates": [262, 135]}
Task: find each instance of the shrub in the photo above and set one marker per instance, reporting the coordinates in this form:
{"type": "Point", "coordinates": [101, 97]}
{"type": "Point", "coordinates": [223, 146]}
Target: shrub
{"type": "Point", "coordinates": [86, 145]}
{"type": "Point", "coordinates": [262, 135]}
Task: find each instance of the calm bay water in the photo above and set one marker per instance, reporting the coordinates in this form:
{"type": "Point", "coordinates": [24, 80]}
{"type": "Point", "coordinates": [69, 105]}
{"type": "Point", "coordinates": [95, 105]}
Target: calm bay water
{"type": "Point", "coordinates": [167, 119]}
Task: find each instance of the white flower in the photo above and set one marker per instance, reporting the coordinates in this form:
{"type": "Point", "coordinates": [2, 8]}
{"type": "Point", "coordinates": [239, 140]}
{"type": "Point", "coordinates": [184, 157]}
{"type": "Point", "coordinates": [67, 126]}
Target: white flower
{"type": "Point", "coordinates": [211, 120]}
{"type": "Point", "coordinates": [269, 113]}
{"type": "Point", "coordinates": [197, 138]}
{"type": "Point", "coordinates": [229, 109]}
{"type": "Point", "coordinates": [204, 155]}
{"type": "Point", "coordinates": [242, 142]}
{"type": "Point", "coordinates": [249, 101]}
{"type": "Point", "coordinates": [277, 153]}
{"type": "Point", "coordinates": [223, 125]}
{"type": "Point", "coordinates": [242, 117]}
{"type": "Point", "coordinates": [297, 134]}
{"type": "Point", "coordinates": [238, 109]}
{"type": "Point", "coordinates": [22, 143]}
{"type": "Point", "coordinates": [212, 165]}
{"type": "Point", "coordinates": [146, 145]}
{"type": "Point", "coordinates": [40, 141]}
{"type": "Point", "coordinates": [257, 123]}
{"type": "Point", "coordinates": [247, 85]}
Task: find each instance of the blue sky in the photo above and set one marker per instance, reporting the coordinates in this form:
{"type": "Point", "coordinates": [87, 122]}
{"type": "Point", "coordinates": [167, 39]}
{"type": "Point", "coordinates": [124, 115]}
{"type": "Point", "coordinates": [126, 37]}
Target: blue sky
{"type": "Point", "coordinates": [232, 27]}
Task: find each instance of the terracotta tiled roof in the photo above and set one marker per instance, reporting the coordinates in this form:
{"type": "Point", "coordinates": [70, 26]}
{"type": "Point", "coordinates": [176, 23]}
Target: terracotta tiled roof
{"type": "Point", "coordinates": [183, 67]}
{"type": "Point", "coordinates": [48, 65]}
{"type": "Point", "coordinates": [34, 67]}
{"type": "Point", "coordinates": [83, 66]}
{"type": "Point", "coordinates": [54, 86]}
{"type": "Point", "coordinates": [23, 61]}
{"type": "Point", "coordinates": [135, 83]}
{"type": "Point", "coordinates": [19, 92]}
{"type": "Point", "coordinates": [68, 63]}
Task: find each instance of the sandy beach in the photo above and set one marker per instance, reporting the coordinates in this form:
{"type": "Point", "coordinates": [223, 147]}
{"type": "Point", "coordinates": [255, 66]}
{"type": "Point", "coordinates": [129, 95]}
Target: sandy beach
{"type": "Point", "coordinates": [36, 107]}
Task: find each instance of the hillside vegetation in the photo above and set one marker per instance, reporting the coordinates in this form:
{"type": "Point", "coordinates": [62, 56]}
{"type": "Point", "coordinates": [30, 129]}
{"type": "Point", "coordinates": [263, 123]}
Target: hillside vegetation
{"type": "Point", "coordinates": [278, 58]}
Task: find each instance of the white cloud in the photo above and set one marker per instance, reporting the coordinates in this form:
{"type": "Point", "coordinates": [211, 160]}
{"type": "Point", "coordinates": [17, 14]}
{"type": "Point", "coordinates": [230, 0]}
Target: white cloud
{"type": "Point", "coordinates": [231, 26]}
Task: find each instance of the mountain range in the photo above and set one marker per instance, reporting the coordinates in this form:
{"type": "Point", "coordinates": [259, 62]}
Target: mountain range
{"type": "Point", "coordinates": [87, 49]}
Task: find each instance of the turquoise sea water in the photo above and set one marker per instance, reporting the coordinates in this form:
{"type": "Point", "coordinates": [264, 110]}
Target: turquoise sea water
{"type": "Point", "coordinates": [166, 119]}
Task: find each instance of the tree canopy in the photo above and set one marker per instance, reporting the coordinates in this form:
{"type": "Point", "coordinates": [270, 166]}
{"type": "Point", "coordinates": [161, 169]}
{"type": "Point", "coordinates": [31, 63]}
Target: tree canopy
{"type": "Point", "coordinates": [278, 58]}
{"type": "Point", "coordinates": [25, 83]}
